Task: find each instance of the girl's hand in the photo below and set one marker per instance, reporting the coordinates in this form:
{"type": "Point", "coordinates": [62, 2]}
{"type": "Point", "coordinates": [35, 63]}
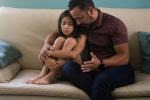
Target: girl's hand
{"type": "Point", "coordinates": [51, 63]}
{"type": "Point", "coordinates": [48, 52]}
{"type": "Point", "coordinates": [42, 55]}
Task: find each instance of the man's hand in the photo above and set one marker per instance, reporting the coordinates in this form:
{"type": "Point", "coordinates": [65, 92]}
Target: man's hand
{"type": "Point", "coordinates": [93, 64]}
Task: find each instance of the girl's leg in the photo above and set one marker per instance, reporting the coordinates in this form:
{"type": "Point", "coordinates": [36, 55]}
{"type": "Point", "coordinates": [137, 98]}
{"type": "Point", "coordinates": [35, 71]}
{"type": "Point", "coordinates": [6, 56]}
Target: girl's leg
{"type": "Point", "coordinates": [50, 77]}
{"type": "Point", "coordinates": [58, 44]}
{"type": "Point", "coordinates": [44, 71]}
{"type": "Point", "coordinates": [69, 44]}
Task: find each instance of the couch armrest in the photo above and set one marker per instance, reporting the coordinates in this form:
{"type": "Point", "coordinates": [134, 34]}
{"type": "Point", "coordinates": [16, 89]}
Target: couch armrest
{"type": "Point", "coordinates": [10, 71]}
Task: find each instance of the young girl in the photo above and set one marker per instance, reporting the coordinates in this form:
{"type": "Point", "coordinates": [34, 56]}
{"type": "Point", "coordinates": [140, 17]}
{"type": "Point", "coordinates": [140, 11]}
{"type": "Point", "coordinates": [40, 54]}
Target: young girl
{"type": "Point", "coordinates": [66, 41]}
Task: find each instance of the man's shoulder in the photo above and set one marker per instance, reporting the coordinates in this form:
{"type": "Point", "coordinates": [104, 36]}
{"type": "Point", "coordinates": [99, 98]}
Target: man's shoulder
{"type": "Point", "coordinates": [111, 17]}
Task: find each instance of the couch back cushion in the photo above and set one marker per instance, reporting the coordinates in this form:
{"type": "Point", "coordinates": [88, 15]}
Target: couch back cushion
{"type": "Point", "coordinates": [136, 20]}
{"type": "Point", "coordinates": [144, 41]}
{"type": "Point", "coordinates": [26, 29]}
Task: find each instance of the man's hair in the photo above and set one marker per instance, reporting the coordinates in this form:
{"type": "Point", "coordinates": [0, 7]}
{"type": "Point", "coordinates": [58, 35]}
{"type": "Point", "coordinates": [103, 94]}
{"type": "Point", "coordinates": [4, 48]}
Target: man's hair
{"type": "Point", "coordinates": [82, 4]}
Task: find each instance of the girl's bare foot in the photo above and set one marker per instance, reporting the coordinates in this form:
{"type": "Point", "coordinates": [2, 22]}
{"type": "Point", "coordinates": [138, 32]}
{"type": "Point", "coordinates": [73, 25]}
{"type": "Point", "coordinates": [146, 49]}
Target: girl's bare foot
{"type": "Point", "coordinates": [43, 73]}
{"type": "Point", "coordinates": [48, 79]}
{"type": "Point", "coordinates": [32, 81]}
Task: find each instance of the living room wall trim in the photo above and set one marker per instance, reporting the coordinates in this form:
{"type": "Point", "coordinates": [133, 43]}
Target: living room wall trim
{"type": "Point", "coordinates": [56, 4]}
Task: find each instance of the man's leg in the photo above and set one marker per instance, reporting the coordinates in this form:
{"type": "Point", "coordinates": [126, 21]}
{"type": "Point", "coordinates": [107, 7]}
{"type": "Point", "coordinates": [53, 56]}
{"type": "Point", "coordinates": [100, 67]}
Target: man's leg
{"type": "Point", "coordinates": [72, 72]}
{"type": "Point", "coordinates": [109, 79]}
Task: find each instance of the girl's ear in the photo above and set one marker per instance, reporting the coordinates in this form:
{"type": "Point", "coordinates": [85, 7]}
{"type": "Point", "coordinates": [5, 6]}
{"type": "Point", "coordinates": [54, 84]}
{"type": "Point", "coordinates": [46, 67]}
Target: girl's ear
{"type": "Point", "coordinates": [90, 11]}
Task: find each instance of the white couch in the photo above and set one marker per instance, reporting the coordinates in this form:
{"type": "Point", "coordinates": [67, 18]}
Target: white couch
{"type": "Point", "coordinates": [26, 29]}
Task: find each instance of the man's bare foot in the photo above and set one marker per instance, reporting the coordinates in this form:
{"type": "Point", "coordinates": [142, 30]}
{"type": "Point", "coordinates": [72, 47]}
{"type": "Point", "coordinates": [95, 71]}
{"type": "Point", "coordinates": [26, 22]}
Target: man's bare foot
{"type": "Point", "coordinates": [48, 79]}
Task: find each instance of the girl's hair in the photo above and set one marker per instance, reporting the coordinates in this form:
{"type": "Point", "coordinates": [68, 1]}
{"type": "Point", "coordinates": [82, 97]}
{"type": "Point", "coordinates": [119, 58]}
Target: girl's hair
{"type": "Point", "coordinates": [66, 13]}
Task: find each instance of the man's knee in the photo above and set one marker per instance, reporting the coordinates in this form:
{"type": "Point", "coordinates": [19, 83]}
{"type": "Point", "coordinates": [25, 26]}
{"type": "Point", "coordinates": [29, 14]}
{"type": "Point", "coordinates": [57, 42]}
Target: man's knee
{"type": "Point", "coordinates": [70, 67]}
{"type": "Point", "coordinates": [101, 81]}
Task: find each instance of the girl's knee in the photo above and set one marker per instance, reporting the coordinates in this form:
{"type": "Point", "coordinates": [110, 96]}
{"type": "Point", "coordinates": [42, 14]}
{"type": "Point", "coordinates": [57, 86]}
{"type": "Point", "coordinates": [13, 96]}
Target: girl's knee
{"type": "Point", "coordinates": [59, 42]}
{"type": "Point", "coordinates": [60, 39]}
{"type": "Point", "coordinates": [71, 41]}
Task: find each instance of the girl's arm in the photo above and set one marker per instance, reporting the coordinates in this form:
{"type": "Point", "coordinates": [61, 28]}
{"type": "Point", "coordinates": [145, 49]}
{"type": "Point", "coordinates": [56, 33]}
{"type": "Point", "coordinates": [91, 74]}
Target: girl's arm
{"type": "Point", "coordinates": [51, 38]}
{"type": "Point", "coordinates": [81, 41]}
{"type": "Point", "coordinates": [48, 41]}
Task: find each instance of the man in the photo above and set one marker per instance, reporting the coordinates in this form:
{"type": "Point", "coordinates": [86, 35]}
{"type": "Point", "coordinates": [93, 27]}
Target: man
{"type": "Point", "coordinates": [109, 66]}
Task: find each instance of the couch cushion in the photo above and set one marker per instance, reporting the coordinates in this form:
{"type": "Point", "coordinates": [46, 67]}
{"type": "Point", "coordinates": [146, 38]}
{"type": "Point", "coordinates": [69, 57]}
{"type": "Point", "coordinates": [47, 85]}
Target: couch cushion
{"type": "Point", "coordinates": [144, 39]}
{"type": "Point", "coordinates": [27, 29]}
{"type": "Point", "coordinates": [141, 88]}
{"type": "Point", "coordinates": [62, 89]}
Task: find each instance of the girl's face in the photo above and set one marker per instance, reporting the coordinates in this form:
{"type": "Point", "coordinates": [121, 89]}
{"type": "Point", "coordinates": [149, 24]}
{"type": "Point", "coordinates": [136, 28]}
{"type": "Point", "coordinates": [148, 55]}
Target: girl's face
{"type": "Point", "coordinates": [67, 26]}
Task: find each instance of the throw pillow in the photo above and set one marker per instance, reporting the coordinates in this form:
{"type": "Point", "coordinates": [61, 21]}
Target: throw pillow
{"type": "Point", "coordinates": [144, 39]}
{"type": "Point", "coordinates": [8, 54]}
{"type": "Point", "coordinates": [7, 73]}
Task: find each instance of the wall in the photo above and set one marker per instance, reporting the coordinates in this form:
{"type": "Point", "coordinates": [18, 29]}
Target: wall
{"type": "Point", "coordinates": [63, 3]}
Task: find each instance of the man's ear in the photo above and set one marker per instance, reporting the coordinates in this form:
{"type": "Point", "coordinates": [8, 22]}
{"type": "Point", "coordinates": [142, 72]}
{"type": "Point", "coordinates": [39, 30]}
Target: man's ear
{"type": "Point", "coordinates": [90, 11]}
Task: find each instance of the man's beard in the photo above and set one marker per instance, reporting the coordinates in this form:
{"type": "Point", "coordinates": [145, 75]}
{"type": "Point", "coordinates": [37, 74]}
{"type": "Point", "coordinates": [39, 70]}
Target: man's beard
{"type": "Point", "coordinates": [89, 23]}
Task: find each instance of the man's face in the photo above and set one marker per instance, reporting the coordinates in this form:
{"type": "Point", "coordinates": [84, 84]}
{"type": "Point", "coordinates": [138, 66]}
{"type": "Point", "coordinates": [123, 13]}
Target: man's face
{"type": "Point", "coordinates": [81, 17]}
